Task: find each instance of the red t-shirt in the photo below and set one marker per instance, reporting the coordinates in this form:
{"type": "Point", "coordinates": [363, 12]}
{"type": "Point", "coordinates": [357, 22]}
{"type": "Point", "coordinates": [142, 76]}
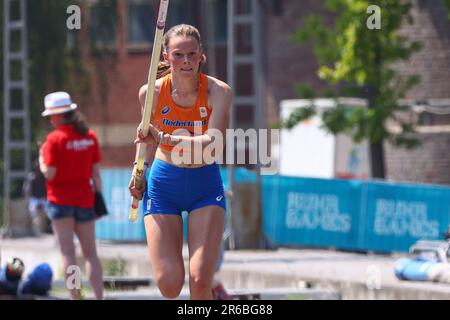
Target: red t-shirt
{"type": "Point", "coordinates": [73, 155]}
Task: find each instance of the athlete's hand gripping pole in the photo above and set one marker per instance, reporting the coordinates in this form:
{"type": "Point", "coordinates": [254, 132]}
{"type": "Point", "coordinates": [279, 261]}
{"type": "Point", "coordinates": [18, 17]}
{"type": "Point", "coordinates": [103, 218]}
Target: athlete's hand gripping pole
{"type": "Point", "coordinates": [146, 115]}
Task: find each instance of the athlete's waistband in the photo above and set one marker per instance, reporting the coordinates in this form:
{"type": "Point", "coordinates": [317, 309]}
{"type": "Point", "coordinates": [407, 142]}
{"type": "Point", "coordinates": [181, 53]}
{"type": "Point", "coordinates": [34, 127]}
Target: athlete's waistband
{"type": "Point", "coordinates": [163, 164]}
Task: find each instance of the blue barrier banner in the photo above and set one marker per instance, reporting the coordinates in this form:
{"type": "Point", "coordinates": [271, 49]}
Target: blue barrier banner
{"type": "Point", "coordinates": [397, 215]}
{"type": "Point", "coordinates": [240, 175]}
{"type": "Point", "coordinates": [311, 212]}
{"type": "Point", "coordinates": [116, 226]}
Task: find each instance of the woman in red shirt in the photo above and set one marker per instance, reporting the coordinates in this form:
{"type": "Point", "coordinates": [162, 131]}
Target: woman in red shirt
{"type": "Point", "coordinates": [69, 160]}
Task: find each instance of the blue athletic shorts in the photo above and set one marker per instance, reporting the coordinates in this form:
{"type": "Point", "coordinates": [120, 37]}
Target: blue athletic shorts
{"type": "Point", "coordinates": [55, 211]}
{"type": "Point", "coordinates": [172, 190]}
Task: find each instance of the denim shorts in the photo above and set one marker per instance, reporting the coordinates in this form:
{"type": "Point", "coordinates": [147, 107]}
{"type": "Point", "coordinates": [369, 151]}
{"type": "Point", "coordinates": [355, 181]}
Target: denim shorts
{"type": "Point", "coordinates": [55, 212]}
{"type": "Point", "coordinates": [172, 190]}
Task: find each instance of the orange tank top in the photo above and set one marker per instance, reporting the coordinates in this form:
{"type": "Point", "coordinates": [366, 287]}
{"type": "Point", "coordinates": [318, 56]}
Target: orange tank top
{"type": "Point", "coordinates": [182, 121]}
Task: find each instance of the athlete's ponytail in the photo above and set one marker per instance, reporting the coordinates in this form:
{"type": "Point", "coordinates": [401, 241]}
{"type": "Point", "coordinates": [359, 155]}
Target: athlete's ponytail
{"type": "Point", "coordinates": [163, 69]}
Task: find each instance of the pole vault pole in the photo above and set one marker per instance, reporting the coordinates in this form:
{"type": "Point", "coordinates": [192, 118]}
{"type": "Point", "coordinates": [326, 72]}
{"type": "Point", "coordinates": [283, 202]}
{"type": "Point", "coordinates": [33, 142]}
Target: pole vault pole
{"type": "Point", "coordinates": [147, 112]}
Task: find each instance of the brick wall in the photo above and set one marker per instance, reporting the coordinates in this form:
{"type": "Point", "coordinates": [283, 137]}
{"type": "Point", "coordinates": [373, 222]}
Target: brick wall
{"type": "Point", "coordinates": [116, 120]}
{"type": "Point", "coordinates": [288, 63]}
{"type": "Point", "coordinates": [430, 163]}
{"type": "Point", "coordinates": [432, 28]}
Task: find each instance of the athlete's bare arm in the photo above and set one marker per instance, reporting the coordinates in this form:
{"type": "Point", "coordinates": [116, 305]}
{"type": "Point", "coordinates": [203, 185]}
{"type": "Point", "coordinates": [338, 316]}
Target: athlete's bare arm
{"type": "Point", "coordinates": [220, 100]}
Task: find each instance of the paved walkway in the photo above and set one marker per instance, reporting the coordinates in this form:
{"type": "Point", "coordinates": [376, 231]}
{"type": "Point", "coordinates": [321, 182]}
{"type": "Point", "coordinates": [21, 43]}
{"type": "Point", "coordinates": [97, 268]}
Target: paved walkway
{"type": "Point", "coordinates": [282, 273]}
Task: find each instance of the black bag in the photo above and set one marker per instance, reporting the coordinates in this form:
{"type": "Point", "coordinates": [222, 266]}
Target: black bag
{"type": "Point", "coordinates": [99, 205]}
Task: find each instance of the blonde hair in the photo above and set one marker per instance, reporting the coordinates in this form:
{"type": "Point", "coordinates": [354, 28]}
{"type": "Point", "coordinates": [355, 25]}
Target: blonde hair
{"type": "Point", "coordinates": [181, 30]}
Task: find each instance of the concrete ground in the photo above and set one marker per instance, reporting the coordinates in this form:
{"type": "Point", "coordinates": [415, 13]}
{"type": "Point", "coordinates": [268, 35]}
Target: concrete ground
{"type": "Point", "coordinates": [284, 273]}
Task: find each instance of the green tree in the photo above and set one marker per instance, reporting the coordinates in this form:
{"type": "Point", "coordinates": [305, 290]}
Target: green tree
{"type": "Point", "coordinates": [358, 60]}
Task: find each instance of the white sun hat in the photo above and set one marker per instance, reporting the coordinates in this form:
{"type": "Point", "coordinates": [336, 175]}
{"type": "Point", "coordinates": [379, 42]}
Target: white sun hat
{"type": "Point", "coordinates": [57, 103]}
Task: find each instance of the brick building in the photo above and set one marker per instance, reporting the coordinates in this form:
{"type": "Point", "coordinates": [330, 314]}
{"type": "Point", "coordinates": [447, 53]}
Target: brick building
{"type": "Point", "coordinates": [116, 114]}
{"type": "Point", "coordinates": [429, 163]}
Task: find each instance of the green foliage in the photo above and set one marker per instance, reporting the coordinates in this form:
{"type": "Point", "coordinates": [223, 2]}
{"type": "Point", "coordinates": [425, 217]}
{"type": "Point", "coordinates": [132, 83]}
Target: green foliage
{"type": "Point", "coordinates": [1, 118]}
{"type": "Point", "coordinates": [103, 30]}
{"type": "Point", "coordinates": [115, 267]}
{"type": "Point", "coordinates": [299, 115]}
{"type": "Point", "coordinates": [359, 60]}
{"type": "Point", "coordinates": [103, 26]}
{"type": "Point", "coordinates": [304, 90]}
{"type": "Point", "coordinates": [447, 4]}
{"type": "Point", "coordinates": [58, 57]}
{"type": "Point", "coordinates": [53, 64]}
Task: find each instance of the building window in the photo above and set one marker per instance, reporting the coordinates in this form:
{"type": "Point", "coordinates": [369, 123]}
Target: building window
{"type": "Point", "coordinates": [182, 11]}
{"type": "Point", "coordinates": [220, 13]}
{"type": "Point", "coordinates": [141, 19]}
{"type": "Point", "coordinates": [103, 23]}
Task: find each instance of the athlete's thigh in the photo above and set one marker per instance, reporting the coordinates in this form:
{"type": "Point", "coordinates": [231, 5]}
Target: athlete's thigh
{"type": "Point", "coordinates": [165, 241]}
{"type": "Point", "coordinates": [205, 231]}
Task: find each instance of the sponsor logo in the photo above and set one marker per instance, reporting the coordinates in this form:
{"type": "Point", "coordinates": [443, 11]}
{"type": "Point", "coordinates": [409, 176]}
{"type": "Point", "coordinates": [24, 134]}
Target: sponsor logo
{"type": "Point", "coordinates": [149, 204]}
{"type": "Point", "coordinates": [219, 198]}
{"type": "Point", "coordinates": [203, 112]}
{"type": "Point", "coordinates": [177, 123]}
{"type": "Point", "coordinates": [79, 145]}
{"type": "Point", "coordinates": [165, 110]}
